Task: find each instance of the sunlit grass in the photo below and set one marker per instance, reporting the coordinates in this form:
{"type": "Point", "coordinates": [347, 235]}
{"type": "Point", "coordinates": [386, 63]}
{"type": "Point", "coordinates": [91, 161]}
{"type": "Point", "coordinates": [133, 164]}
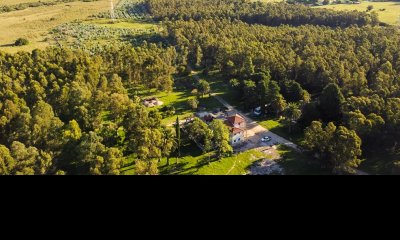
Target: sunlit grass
{"type": "Point", "coordinates": [390, 14]}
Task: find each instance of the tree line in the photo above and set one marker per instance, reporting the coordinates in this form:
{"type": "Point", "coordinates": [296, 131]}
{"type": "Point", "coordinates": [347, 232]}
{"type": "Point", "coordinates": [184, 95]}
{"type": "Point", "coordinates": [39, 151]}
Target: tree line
{"type": "Point", "coordinates": [270, 14]}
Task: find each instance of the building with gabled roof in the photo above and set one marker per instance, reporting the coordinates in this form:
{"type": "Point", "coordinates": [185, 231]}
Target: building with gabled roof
{"type": "Point", "coordinates": [237, 128]}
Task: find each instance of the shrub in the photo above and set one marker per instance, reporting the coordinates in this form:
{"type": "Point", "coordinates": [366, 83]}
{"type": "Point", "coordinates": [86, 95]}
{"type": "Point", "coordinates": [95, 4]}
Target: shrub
{"type": "Point", "coordinates": [21, 42]}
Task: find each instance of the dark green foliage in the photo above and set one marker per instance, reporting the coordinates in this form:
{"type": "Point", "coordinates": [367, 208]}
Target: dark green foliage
{"type": "Point", "coordinates": [71, 112]}
{"type": "Point", "coordinates": [21, 42]}
{"type": "Point", "coordinates": [271, 14]}
{"type": "Point", "coordinates": [336, 147]}
{"type": "Point", "coordinates": [330, 103]}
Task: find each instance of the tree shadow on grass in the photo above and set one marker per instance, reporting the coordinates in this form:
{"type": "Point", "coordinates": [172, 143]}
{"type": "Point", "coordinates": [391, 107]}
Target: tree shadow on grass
{"type": "Point", "coordinates": [8, 45]}
{"type": "Point", "coordinates": [295, 163]}
{"type": "Point", "coordinates": [174, 168]}
{"type": "Point", "coordinates": [137, 40]}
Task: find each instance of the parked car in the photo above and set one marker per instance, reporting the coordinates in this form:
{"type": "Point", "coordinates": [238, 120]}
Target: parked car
{"type": "Point", "coordinates": [257, 112]}
{"type": "Point", "coordinates": [266, 139]}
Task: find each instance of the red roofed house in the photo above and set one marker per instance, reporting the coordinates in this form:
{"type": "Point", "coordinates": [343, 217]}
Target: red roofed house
{"type": "Point", "coordinates": [237, 128]}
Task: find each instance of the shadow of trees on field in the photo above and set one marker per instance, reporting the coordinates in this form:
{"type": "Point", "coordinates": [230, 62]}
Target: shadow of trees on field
{"type": "Point", "coordinates": [8, 45]}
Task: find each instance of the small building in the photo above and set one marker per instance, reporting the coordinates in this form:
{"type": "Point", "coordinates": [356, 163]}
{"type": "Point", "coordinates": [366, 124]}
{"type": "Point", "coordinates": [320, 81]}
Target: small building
{"type": "Point", "coordinates": [235, 123]}
{"type": "Point", "coordinates": [152, 102]}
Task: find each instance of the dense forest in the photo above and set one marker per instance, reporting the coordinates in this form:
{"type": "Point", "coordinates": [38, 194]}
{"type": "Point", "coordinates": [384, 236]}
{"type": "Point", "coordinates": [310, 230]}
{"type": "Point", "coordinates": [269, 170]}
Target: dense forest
{"type": "Point", "coordinates": [61, 110]}
{"type": "Point", "coordinates": [271, 14]}
{"type": "Point", "coordinates": [334, 75]}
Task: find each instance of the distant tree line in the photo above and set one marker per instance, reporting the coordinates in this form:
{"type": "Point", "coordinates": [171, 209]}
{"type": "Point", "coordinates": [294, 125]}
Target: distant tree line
{"type": "Point", "coordinates": [270, 14]}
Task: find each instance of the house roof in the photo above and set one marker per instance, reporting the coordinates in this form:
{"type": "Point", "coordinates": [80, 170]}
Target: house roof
{"type": "Point", "coordinates": [235, 119]}
{"type": "Point", "coordinates": [236, 130]}
{"type": "Point", "coordinates": [208, 118]}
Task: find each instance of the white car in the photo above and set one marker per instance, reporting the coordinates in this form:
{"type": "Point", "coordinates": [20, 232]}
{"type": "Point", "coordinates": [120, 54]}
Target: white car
{"type": "Point", "coordinates": [266, 139]}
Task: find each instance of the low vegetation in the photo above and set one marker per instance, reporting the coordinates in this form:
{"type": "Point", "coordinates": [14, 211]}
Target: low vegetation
{"type": "Point", "coordinates": [21, 42]}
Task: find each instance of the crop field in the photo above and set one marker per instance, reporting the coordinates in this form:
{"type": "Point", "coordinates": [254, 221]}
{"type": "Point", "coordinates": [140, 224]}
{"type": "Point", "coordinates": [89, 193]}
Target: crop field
{"type": "Point", "coordinates": [35, 23]}
{"type": "Point", "coordinates": [388, 12]}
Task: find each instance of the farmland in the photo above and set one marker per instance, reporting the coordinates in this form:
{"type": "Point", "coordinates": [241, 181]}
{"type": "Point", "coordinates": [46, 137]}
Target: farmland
{"type": "Point", "coordinates": [388, 12]}
{"type": "Point", "coordinates": [13, 2]}
{"type": "Point", "coordinates": [35, 23]}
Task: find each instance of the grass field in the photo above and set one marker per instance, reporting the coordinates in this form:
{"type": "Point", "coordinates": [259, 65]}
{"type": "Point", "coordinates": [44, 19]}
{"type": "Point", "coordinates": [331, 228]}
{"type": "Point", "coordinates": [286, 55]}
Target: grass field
{"type": "Point", "coordinates": [391, 14]}
{"type": "Point", "coordinates": [14, 2]}
{"type": "Point", "coordinates": [178, 99]}
{"type": "Point", "coordinates": [193, 162]}
{"type": "Point", "coordinates": [278, 127]}
{"type": "Point", "coordinates": [35, 23]}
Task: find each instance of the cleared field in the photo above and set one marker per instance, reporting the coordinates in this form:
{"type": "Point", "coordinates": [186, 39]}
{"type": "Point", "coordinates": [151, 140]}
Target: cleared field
{"type": "Point", "coordinates": [14, 2]}
{"type": "Point", "coordinates": [35, 23]}
{"type": "Point", "coordinates": [388, 12]}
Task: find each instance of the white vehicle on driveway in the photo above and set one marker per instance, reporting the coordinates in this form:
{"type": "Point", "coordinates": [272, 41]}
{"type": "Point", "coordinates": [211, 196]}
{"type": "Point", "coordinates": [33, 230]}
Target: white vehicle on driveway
{"type": "Point", "coordinates": [266, 139]}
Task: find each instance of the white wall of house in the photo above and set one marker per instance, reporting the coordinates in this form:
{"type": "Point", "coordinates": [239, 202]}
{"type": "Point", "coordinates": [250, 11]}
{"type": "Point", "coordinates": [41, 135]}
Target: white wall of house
{"type": "Point", "coordinates": [237, 138]}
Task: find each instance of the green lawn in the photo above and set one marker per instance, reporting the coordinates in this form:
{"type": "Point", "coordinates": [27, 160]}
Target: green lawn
{"type": "Point", "coordinates": [295, 163]}
{"type": "Point", "coordinates": [278, 127]}
{"type": "Point", "coordinates": [193, 162]}
{"type": "Point", "coordinates": [391, 14]}
{"type": "Point", "coordinates": [129, 168]}
{"type": "Point", "coordinates": [178, 99]}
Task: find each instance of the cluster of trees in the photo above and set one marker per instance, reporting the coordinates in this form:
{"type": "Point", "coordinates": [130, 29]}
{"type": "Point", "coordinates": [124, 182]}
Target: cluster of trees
{"type": "Point", "coordinates": [336, 147]}
{"type": "Point", "coordinates": [271, 14]}
{"type": "Point", "coordinates": [259, 90]}
{"type": "Point", "coordinates": [66, 112]}
{"type": "Point", "coordinates": [214, 136]}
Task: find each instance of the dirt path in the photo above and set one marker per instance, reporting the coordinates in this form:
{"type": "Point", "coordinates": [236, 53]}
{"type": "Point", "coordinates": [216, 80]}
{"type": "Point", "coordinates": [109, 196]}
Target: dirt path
{"type": "Point", "coordinates": [233, 166]}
